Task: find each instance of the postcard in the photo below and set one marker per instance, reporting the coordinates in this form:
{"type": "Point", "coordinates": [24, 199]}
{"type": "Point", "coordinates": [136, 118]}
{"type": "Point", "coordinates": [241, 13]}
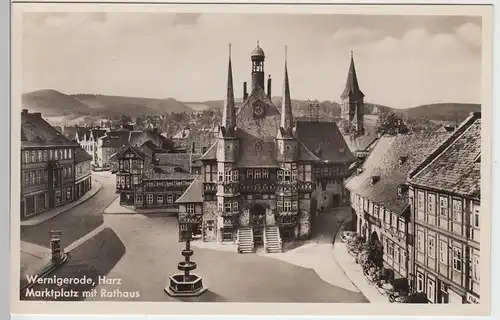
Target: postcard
{"type": "Point", "coordinates": [251, 159]}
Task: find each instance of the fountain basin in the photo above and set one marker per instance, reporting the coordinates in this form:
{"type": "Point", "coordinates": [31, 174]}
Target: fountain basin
{"type": "Point", "coordinates": [187, 253]}
{"type": "Point", "coordinates": [186, 266]}
{"type": "Point", "coordinates": [185, 286]}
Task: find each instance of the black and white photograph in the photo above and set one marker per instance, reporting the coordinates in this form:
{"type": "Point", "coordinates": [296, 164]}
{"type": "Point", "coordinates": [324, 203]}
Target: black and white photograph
{"type": "Point", "coordinates": [264, 157]}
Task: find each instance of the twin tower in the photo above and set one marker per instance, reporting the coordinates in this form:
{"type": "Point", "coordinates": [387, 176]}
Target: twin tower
{"type": "Point", "coordinates": [352, 107]}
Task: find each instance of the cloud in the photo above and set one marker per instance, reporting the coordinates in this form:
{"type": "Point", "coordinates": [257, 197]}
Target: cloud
{"type": "Point", "coordinates": [355, 35]}
{"type": "Point", "coordinates": [470, 33]}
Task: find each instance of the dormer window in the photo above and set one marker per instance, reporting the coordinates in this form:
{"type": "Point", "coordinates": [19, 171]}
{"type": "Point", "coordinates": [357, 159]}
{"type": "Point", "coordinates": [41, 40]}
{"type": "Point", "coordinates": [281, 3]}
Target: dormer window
{"type": "Point", "coordinates": [402, 190]}
{"type": "Point", "coordinates": [478, 159]}
{"type": "Point", "coordinates": [374, 179]}
{"type": "Point", "coordinates": [402, 160]}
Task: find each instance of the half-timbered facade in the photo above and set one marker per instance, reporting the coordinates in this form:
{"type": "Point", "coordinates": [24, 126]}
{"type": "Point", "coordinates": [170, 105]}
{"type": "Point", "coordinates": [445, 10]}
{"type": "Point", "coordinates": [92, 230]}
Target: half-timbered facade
{"type": "Point", "coordinates": [265, 174]}
{"type": "Point", "coordinates": [445, 200]}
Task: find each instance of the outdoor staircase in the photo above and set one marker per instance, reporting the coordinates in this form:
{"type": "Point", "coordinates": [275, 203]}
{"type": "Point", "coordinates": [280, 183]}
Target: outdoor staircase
{"type": "Point", "coordinates": [272, 240]}
{"type": "Point", "coordinates": [245, 240]}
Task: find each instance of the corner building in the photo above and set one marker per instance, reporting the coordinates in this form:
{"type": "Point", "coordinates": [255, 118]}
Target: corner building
{"type": "Point", "coordinates": [266, 174]}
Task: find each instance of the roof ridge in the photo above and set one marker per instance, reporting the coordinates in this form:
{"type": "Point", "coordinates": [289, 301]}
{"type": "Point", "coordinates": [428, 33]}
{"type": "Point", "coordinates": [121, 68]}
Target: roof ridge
{"type": "Point", "coordinates": [445, 145]}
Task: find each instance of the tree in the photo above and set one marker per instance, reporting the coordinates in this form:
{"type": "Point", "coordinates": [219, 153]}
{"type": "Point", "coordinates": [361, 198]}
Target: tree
{"type": "Point", "coordinates": [390, 123]}
{"type": "Point", "coordinates": [372, 255]}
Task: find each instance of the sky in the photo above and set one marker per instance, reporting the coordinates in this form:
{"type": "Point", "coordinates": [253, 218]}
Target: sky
{"type": "Point", "coordinates": [401, 61]}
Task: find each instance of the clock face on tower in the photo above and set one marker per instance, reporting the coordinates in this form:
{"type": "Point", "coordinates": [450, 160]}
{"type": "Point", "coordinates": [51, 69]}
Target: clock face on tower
{"type": "Point", "coordinates": [259, 108]}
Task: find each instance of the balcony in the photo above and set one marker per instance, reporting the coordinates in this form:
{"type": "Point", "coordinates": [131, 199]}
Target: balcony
{"type": "Point", "coordinates": [229, 219]}
{"type": "Point", "coordinates": [257, 220]}
{"type": "Point", "coordinates": [191, 218]}
{"type": "Point", "coordinates": [258, 188]}
{"type": "Point", "coordinates": [287, 218]}
{"type": "Point", "coordinates": [209, 187]}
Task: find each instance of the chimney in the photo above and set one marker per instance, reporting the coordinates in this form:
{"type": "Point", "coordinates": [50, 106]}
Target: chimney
{"type": "Point", "coordinates": [269, 87]}
{"type": "Point", "coordinates": [25, 111]}
{"type": "Point", "coordinates": [193, 147]}
{"type": "Point", "coordinates": [245, 92]}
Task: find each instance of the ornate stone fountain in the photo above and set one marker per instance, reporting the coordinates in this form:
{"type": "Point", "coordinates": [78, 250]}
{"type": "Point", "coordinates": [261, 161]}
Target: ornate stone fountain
{"type": "Point", "coordinates": [186, 284]}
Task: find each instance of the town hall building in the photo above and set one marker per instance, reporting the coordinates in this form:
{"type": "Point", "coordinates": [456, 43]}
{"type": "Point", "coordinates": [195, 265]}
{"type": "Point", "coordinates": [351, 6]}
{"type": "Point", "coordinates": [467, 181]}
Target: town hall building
{"type": "Point", "coordinates": [265, 175]}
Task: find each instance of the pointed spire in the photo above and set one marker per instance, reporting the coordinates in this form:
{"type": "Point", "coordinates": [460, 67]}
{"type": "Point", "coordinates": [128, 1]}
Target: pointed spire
{"type": "Point", "coordinates": [352, 86]}
{"type": "Point", "coordinates": [286, 102]}
{"type": "Point", "coordinates": [229, 113]}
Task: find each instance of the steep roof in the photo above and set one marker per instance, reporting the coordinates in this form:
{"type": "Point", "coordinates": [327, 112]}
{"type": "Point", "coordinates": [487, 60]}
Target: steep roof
{"type": "Point", "coordinates": [255, 152]}
{"type": "Point", "coordinates": [193, 194]}
{"type": "Point", "coordinates": [211, 153]}
{"type": "Point", "coordinates": [181, 160]}
{"type": "Point", "coordinates": [352, 86]}
{"type": "Point", "coordinates": [81, 155]}
{"type": "Point", "coordinates": [359, 143]}
{"type": "Point", "coordinates": [370, 163]}
{"type": "Point", "coordinates": [454, 166]}
{"type": "Point", "coordinates": [324, 140]}
{"type": "Point", "coordinates": [119, 138]}
{"type": "Point", "coordinates": [391, 173]}
{"type": "Point", "coordinates": [157, 174]}
{"type": "Point", "coordinates": [36, 132]}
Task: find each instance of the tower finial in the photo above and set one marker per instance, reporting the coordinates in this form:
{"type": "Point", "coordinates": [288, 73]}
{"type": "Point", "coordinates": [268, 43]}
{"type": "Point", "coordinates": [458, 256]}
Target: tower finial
{"type": "Point", "coordinates": [229, 49]}
{"type": "Point", "coordinates": [286, 55]}
{"type": "Point", "coordinates": [257, 43]}
{"type": "Point", "coordinates": [352, 53]}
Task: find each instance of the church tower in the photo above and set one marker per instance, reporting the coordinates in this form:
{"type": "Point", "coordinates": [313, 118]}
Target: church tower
{"type": "Point", "coordinates": [227, 155]}
{"type": "Point", "coordinates": [353, 100]}
{"type": "Point", "coordinates": [258, 58]}
{"type": "Point", "coordinates": [285, 140]}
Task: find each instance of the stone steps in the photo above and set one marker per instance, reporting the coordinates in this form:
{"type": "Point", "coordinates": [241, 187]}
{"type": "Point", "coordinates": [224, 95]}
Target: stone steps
{"type": "Point", "coordinates": [272, 240]}
{"type": "Point", "coordinates": [245, 240]}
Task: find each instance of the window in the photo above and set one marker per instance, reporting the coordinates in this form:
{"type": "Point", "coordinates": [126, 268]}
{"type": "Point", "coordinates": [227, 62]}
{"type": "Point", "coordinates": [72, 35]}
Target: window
{"type": "Point", "coordinates": [295, 206]}
{"type": "Point", "coordinates": [220, 207]}
{"type": "Point", "coordinates": [420, 282]}
{"type": "Point", "coordinates": [236, 206]}
{"type": "Point", "coordinates": [287, 174]}
{"type": "Point", "coordinates": [235, 175]}
{"type": "Point", "coordinates": [397, 252]}
{"type": "Point", "coordinates": [287, 206]}
{"type": "Point", "coordinates": [65, 154]}
{"type": "Point", "coordinates": [227, 207]}
{"type": "Point", "coordinates": [26, 157]}
{"type": "Point", "coordinates": [394, 221]}
{"type": "Point", "coordinates": [265, 174]}
{"type": "Point", "coordinates": [190, 208]}
{"type": "Point", "coordinates": [457, 210]}
{"type": "Point", "coordinates": [431, 242]}
{"type": "Point", "coordinates": [420, 241]}
{"type": "Point", "coordinates": [45, 155]}
{"type": "Point", "coordinates": [307, 176]}
{"type": "Point", "coordinates": [475, 268]}
{"type": "Point", "coordinates": [475, 218]}
{"type": "Point", "coordinates": [221, 176]}
{"type": "Point", "coordinates": [420, 201]}
{"type": "Point", "coordinates": [294, 175]}
{"type": "Point", "coordinates": [401, 225]}
{"type": "Point", "coordinates": [227, 234]}
{"type": "Point", "coordinates": [26, 178]}
{"type": "Point", "coordinates": [249, 173]}
{"type": "Point", "coordinates": [457, 259]}
{"type": "Point", "coordinates": [228, 175]}
{"type": "Point", "coordinates": [159, 198]}
{"type": "Point", "coordinates": [431, 290]}
{"type": "Point", "coordinates": [170, 198]}
{"type": "Point", "coordinates": [149, 198]}
{"type": "Point", "coordinates": [280, 175]}
{"type": "Point", "coordinates": [138, 199]}
{"type": "Point", "coordinates": [70, 154]}
{"type": "Point", "coordinates": [33, 156]}
{"type": "Point", "coordinates": [443, 207]}
{"type": "Point", "coordinates": [431, 204]}
{"type": "Point", "coordinates": [279, 205]}
{"type": "Point", "coordinates": [257, 174]}
{"type": "Point", "coordinates": [443, 252]}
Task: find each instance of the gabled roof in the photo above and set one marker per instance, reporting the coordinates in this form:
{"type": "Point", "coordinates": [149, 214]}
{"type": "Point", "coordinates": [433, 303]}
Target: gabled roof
{"type": "Point", "coordinates": [143, 153]}
{"type": "Point", "coordinates": [411, 150]}
{"type": "Point", "coordinates": [324, 140]}
{"type": "Point", "coordinates": [119, 138]}
{"type": "Point", "coordinates": [81, 155]}
{"type": "Point", "coordinates": [211, 153]}
{"type": "Point", "coordinates": [181, 160]}
{"type": "Point", "coordinates": [255, 152]}
{"type": "Point", "coordinates": [193, 194]}
{"type": "Point", "coordinates": [452, 167]}
{"type": "Point", "coordinates": [35, 131]}
{"type": "Point", "coordinates": [157, 173]}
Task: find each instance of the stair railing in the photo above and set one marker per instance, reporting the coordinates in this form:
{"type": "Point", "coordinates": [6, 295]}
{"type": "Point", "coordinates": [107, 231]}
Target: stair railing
{"type": "Point", "coordinates": [280, 243]}
{"type": "Point", "coordinates": [264, 236]}
{"type": "Point", "coordinates": [252, 240]}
